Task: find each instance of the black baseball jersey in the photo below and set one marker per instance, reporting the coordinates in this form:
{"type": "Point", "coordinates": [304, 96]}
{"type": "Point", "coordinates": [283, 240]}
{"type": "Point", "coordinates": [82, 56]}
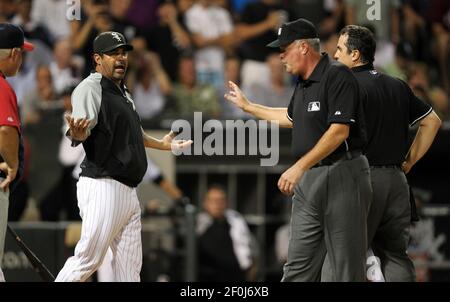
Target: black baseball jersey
{"type": "Point", "coordinates": [115, 146]}
{"type": "Point", "coordinates": [390, 108]}
{"type": "Point", "coordinates": [329, 95]}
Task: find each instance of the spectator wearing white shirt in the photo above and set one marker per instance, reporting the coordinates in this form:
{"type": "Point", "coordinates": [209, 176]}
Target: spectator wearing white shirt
{"type": "Point", "coordinates": [211, 27]}
{"type": "Point", "coordinates": [65, 71]}
{"type": "Point", "coordinates": [150, 88]}
{"type": "Point", "coordinates": [53, 14]}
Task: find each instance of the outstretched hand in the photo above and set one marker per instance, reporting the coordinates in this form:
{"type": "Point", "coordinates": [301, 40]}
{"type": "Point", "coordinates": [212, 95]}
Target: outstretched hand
{"type": "Point", "coordinates": [10, 176]}
{"type": "Point", "coordinates": [78, 127]}
{"type": "Point", "coordinates": [236, 96]}
{"type": "Point", "coordinates": [171, 144]}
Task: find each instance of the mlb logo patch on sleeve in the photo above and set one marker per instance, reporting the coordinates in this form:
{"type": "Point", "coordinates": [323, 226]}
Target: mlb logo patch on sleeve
{"type": "Point", "coordinates": [10, 119]}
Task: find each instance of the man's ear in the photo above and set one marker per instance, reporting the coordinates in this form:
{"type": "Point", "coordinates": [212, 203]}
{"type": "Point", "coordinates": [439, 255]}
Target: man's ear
{"type": "Point", "coordinates": [14, 54]}
{"type": "Point", "coordinates": [356, 55]}
{"type": "Point", "coordinates": [305, 47]}
{"type": "Point", "coordinates": [97, 58]}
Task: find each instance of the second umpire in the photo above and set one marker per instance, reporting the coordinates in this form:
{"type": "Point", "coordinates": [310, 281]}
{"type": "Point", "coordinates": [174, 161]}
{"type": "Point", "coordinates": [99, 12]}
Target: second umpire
{"type": "Point", "coordinates": [390, 109]}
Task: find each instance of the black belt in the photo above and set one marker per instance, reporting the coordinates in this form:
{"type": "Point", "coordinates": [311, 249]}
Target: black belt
{"type": "Point", "coordinates": [385, 166]}
{"type": "Point", "coordinates": [334, 158]}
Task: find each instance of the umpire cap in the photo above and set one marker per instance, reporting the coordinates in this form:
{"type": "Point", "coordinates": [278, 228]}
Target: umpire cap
{"type": "Point", "coordinates": [12, 36]}
{"type": "Point", "coordinates": [109, 41]}
{"type": "Point", "coordinates": [295, 30]}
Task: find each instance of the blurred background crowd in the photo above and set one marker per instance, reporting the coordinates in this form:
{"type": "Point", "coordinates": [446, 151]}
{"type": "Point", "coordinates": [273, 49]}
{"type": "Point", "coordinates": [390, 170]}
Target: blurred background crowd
{"type": "Point", "coordinates": [185, 53]}
{"type": "Point", "coordinates": [187, 50]}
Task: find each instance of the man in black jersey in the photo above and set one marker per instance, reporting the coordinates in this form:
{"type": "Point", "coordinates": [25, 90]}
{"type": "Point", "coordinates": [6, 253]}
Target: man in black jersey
{"type": "Point", "coordinates": [390, 109]}
{"type": "Point", "coordinates": [330, 179]}
{"type": "Point", "coordinates": [104, 119]}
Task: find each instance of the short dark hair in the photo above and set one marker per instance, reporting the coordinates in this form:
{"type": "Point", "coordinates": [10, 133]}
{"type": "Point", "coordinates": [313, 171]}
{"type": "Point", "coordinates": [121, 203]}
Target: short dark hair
{"type": "Point", "coordinates": [362, 39]}
{"type": "Point", "coordinates": [218, 187]}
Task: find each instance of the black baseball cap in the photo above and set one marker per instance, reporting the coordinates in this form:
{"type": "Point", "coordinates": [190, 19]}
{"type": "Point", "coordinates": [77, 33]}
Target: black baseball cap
{"type": "Point", "coordinates": [109, 41]}
{"type": "Point", "coordinates": [295, 30]}
{"type": "Point", "coordinates": [12, 36]}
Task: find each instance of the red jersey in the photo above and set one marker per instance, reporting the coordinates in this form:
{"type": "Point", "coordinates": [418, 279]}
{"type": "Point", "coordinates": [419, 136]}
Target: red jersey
{"type": "Point", "coordinates": [9, 112]}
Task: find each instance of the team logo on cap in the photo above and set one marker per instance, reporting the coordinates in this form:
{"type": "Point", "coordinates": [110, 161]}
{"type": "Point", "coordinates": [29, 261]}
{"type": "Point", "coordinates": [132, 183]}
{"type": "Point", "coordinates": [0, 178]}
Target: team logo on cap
{"type": "Point", "coordinates": [116, 36]}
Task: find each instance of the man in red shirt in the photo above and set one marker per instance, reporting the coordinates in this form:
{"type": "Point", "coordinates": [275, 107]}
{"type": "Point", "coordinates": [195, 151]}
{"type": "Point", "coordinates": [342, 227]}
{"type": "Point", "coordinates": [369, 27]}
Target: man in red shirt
{"type": "Point", "coordinates": [12, 44]}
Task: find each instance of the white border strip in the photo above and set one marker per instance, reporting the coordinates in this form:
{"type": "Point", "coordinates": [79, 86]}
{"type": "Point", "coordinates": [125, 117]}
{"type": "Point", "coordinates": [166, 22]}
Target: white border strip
{"type": "Point", "coordinates": [428, 112]}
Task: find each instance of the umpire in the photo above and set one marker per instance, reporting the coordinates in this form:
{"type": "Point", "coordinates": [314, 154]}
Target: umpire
{"type": "Point", "coordinates": [330, 179]}
{"type": "Point", "coordinates": [390, 107]}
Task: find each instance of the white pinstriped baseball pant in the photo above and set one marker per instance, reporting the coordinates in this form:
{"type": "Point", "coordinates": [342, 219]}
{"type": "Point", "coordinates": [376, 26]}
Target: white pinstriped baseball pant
{"type": "Point", "coordinates": [111, 218]}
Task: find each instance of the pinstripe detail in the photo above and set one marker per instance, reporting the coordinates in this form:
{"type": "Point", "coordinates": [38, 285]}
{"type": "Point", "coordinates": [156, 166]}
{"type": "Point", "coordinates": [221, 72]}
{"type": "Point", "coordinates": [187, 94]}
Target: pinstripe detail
{"type": "Point", "coordinates": [111, 218]}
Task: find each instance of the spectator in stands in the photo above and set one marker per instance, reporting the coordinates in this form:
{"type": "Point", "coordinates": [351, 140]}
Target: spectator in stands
{"type": "Point", "coordinates": [188, 96]}
{"type": "Point", "coordinates": [24, 82]}
{"type": "Point", "coordinates": [41, 113]}
{"type": "Point", "coordinates": [33, 29]}
{"type": "Point", "coordinates": [413, 29]}
{"type": "Point", "coordinates": [65, 70]}
{"type": "Point", "coordinates": [419, 81]}
{"type": "Point", "coordinates": [279, 91]}
{"type": "Point", "coordinates": [212, 32]}
{"type": "Point", "coordinates": [232, 73]}
{"type": "Point", "coordinates": [170, 37]}
{"type": "Point", "coordinates": [224, 240]}
{"type": "Point", "coordinates": [399, 66]}
{"type": "Point", "coordinates": [118, 10]}
{"type": "Point", "coordinates": [257, 28]}
{"type": "Point", "coordinates": [62, 197]}
{"type": "Point", "coordinates": [43, 98]}
{"type": "Point", "coordinates": [150, 89]}
{"type": "Point", "coordinates": [95, 19]}
{"type": "Point", "coordinates": [52, 14]}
